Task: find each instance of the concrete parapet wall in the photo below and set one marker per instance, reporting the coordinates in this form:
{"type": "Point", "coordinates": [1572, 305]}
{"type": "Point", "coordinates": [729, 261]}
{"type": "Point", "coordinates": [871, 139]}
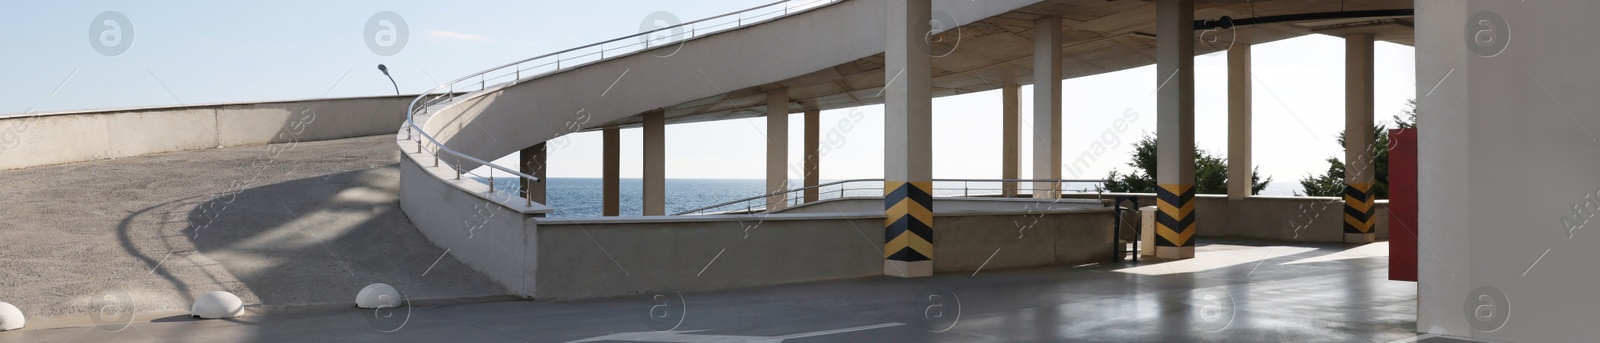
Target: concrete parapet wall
{"type": "Point", "coordinates": [489, 238]}
{"type": "Point", "coordinates": [1019, 232]}
{"type": "Point", "coordinates": [55, 138]}
{"type": "Point", "coordinates": [1288, 219]}
{"type": "Point", "coordinates": [609, 257]}
{"type": "Point", "coordinates": [583, 258]}
{"type": "Point", "coordinates": [966, 242]}
{"type": "Point", "coordinates": [574, 258]}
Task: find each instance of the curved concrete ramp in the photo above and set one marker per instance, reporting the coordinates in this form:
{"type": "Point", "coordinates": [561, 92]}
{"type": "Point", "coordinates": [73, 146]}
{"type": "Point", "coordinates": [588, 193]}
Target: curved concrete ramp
{"type": "Point", "coordinates": [503, 120]}
{"type": "Point", "coordinates": [312, 225]}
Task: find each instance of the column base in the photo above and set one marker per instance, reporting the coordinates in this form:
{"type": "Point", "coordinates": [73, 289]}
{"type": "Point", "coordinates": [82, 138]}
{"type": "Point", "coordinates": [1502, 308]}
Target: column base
{"type": "Point", "coordinates": [1360, 238]}
{"type": "Point", "coordinates": [1175, 253]}
{"type": "Point", "coordinates": [907, 269]}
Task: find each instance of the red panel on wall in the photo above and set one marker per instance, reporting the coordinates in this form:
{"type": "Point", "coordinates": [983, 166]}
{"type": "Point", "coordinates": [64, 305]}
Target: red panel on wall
{"type": "Point", "coordinates": [1403, 204]}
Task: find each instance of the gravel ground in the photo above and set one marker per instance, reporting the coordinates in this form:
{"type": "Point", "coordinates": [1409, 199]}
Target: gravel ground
{"type": "Point", "coordinates": [312, 224]}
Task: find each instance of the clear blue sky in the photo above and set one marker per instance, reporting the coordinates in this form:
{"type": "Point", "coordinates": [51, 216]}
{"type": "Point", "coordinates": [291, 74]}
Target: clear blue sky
{"type": "Point", "coordinates": [190, 52]}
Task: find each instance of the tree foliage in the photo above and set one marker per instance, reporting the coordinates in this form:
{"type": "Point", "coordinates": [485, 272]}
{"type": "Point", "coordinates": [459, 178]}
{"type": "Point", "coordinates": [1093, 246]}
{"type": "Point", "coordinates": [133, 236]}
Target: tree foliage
{"type": "Point", "coordinates": [1331, 182]}
{"type": "Point", "coordinates": [1211, 172]}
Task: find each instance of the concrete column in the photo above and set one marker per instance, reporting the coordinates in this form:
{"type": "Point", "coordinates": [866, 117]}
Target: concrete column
{"type": "Point", "coordinates": [777, 148]}
{"type": "Point", "coordinates": [813, 162]}
{"type": "Point", "coordinates": [611, 172]}
{"type": "Point", "coordinates": [1358, 139]}
{"type": "Point", "coordinates": [1010, 139]}
{"type": "Point", "coordinates": [532, 162]}
{"type": "Point", "coordinates": [1239, 88]}
{"type": "Point", "coordinates": [908, 141]}
{"type": "Point", "coordinates": [1175, 227]}
{"type": "Point", "coordinates": [655, 164]}
{"type": "Point", "coordinates": [1047, 106]}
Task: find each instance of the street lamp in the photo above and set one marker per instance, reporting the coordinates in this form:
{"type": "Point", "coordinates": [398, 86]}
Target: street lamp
{"type": "Point", "coordinates": [385, 71]}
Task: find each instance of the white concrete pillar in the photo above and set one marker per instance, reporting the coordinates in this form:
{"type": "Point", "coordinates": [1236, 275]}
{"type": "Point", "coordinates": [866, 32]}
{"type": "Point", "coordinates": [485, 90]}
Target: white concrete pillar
{"type": "Point", "coordinates": [777, 148]}
{"type": "Point", "coordinates": [813, 163]}
{"type": "Point", "coordinates": [1358, 139]}
{"type": "Point", "coordinates": [1175, 228]}
{"type": "Point", "coordinates": [1010, 139]}
{"type": "Point", "coordinates": [1240, 165]}
{"type": "Point", "coordinates": [655, 164]}
{"type": "Point", "coordinates": [532, 162]}
{"type": "Point", "coordinates": [1047, 106]}
{"type": "Point", "coordinates": [611, 172]}
{"type": "Point", "coordinates": [908, 140]}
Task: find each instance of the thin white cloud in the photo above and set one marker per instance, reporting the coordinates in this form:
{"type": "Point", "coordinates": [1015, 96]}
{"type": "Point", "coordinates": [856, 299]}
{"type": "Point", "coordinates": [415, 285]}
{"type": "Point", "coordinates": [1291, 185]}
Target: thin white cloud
{"type": "Point", "coordinates": [458, 35]}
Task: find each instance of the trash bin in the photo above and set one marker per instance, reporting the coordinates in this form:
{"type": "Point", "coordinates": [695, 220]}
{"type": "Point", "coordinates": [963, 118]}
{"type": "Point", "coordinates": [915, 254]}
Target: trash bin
{"type": "Point", "coordinates": [1147, 230]}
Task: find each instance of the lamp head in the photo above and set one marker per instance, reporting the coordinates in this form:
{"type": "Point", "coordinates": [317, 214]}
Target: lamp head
{"type": "Point", "coordinates": [384, 69]}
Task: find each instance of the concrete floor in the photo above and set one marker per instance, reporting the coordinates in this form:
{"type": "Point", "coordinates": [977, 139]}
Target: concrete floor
{"type": "Point", "coordinates": [311, 225]}
{"type": "Point", "coordinates": [1233, 291]}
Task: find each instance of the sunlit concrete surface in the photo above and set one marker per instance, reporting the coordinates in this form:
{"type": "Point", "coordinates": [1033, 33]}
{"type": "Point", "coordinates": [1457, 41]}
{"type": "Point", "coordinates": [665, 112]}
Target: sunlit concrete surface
{"type": "Point", "coordinates": [320, 222]}
{"type": "Point", "coordinates": [1281, 296]}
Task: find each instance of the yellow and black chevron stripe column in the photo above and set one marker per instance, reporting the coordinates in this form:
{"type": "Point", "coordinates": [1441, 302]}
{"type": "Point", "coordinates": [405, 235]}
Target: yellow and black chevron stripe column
{"type": "Point", "coordinates": [908, 226]}
{"type": "Point", "coordinates": [1175, 216]}
{"type": "Point", "coordinates": [1358, 208]}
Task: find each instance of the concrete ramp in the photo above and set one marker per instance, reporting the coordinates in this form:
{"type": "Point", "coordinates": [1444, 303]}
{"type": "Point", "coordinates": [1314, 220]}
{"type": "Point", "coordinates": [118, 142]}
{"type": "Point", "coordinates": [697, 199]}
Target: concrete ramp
{"type": "Point", "coordinates": [507, 118]}
{"type": "Point", "coordinates": [311, 224]}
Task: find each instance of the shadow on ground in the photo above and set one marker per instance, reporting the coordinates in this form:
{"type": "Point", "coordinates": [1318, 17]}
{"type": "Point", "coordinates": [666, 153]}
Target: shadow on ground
{"type": "Point", "coordinates": [319, 240]}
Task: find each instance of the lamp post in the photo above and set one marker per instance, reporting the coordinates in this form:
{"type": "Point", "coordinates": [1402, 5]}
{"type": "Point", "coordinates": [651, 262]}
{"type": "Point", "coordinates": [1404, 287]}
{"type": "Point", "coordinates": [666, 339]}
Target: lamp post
{"type": "Point", "coordinates": [385, 71]}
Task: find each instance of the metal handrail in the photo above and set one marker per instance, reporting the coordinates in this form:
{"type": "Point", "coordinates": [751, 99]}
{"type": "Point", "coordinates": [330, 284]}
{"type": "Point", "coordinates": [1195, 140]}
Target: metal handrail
{"type": "Point", "coordinates": [446, 92]}
{"type": "Point", "coordinates": [842, 189]}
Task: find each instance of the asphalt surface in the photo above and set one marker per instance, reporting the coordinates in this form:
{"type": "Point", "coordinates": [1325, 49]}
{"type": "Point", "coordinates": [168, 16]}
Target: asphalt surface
{"type": "Point", "coordinates": [280, 226]}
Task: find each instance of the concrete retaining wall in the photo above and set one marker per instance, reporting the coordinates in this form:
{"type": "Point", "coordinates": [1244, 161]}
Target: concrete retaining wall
{"type": "Point", "coordinates": [55, 138]}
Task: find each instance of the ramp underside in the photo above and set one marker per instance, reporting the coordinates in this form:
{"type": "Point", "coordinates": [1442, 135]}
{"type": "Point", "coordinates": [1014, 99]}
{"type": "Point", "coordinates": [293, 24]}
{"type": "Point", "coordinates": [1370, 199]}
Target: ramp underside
{"type": "Point", "coordinates": [832, 57]}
